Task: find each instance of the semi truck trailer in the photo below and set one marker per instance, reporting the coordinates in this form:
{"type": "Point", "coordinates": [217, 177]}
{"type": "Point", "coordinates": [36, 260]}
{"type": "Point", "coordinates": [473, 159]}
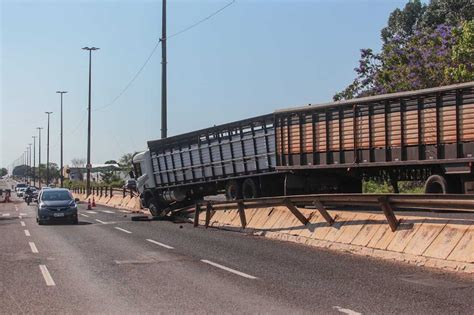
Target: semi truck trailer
{"type": "Point", "coordinates": [424, 135]}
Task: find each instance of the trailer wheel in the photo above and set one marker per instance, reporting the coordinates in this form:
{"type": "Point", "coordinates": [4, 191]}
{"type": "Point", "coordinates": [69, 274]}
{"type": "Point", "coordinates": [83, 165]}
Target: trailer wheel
{"type": "Point", "coordinates": [232, 190]}
{"type": "Point", "coordinates": [436, 184]}
{"type": "Point", "coordinates": [250, 189]}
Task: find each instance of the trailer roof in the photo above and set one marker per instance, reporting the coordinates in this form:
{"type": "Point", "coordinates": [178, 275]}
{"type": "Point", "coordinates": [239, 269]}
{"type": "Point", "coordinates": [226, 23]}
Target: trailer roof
{"type": "Point", "coordinates": [377, 98]}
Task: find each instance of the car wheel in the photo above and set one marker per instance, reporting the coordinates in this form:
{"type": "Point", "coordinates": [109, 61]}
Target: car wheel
{"type": "Point", "coordinates": [75, 221]}
{"type": "Point", "coordinates": [40, 222]}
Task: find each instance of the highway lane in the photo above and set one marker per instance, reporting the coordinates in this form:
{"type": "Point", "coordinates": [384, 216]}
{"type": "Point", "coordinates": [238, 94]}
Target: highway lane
{"type": "Point", "coordinates": [109, 263]}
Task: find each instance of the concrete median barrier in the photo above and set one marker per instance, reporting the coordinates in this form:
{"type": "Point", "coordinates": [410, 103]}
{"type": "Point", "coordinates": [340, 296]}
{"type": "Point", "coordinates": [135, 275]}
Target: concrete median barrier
{"type": "Point", "coordinates": [424, 241]}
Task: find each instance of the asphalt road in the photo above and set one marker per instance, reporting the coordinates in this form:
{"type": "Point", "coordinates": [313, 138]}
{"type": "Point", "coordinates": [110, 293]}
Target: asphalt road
{"type": "Point", "coordinates": [110, 264]}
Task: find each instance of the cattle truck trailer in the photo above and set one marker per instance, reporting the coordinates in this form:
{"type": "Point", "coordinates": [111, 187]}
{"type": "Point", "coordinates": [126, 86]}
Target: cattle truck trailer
{"type": "Point", "coordinates": [424, 135]}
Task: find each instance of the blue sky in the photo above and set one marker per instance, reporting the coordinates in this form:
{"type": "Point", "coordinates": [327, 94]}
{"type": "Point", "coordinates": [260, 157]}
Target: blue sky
{"type": "Point", "coordinates": [252, 58]}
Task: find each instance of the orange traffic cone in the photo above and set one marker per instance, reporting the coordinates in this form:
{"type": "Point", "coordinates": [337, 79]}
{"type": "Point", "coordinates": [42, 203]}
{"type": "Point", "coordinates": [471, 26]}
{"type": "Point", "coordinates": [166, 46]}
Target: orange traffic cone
{"type": "Point", "coordinates": [93, 201]}
{"type": "Point", "coordinates": [89, 204]}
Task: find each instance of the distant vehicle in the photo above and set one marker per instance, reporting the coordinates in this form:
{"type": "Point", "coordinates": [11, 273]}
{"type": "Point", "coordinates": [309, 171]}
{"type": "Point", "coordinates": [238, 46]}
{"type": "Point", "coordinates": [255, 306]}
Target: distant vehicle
{"type": "Point", "coordinates": [20, 185]}
{"type": "Point", "coordinates": [20, 192]}
{"type": "Point", "coordinates": [130, 184]}
{"type": "Point", "coordinates": [52, 186]}
{"type": "Point", "coordinates": [56, 204]}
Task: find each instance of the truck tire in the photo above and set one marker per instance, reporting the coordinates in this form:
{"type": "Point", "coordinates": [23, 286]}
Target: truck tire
{"type": "Point", "coordinates": [154, 209]}
{"type": "Point", "coordinates": [250, 189]}
{"type": "Point", "coordinates": [233, 191]}
{"type": "Point", "coordinates": [436, 184]}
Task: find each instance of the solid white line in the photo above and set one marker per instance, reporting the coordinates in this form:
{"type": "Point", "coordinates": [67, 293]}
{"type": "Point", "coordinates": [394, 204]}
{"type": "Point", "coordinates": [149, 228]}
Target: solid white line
{"type": "Point", "coordinates": [90, 211]}
{"type": "Point", "coordinates": [33, 247]}
{"type": "Point", "coordinates": [27, 233]}
{"type": "Point", "coordinates": [228, 269]}
{"type": "Point", "coordinates": [346, 310]}
{"type": "Point", "coordinates": [47, 277]}
{"type": "Point", "coordinates": [100, 221]}
{"type": "Point", "coordinates": [84, 215]}
{"type": "Point", "coordinates": [160, 244]}
{"type": "Point", "coordinates": [22, 223]}
{"type": "Point", "coordinates": [123, 230]}
{"type": "Point", "coordinates": [5, 214]}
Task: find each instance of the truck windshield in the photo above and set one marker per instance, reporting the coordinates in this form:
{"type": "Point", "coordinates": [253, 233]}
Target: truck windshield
{"type": "Point", "coordinates": [56, 195]}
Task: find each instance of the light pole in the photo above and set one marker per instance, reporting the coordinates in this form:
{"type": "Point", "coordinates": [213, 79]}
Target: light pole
{"type": "Point", "coordinates": [89, 166]}
{"type": "Point", "coordinates": [39, 156]}
{"type": "Point", "coordinates": [61, 167]}
{"type": "Point", "coordinates": [34, 160]}
{"type": "Point", "coordinates": [29, 162]}
{"type": "Point", "coordinates": [47, 151]}
{"type": "Point", "coordinates": [164, 125]}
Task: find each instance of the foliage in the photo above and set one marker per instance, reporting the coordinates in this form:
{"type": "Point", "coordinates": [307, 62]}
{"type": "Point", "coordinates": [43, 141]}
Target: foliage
{"type": "Point", "coordinates": [423, 46]}
{"type": "Point", "coordinates": [3, 171]}
{"type": "Point", "coordinates": [78, 162]}
{"type": "Point", "coordinates": [126, 162]}
{"type": "Point", "coordinates": [404, 187]}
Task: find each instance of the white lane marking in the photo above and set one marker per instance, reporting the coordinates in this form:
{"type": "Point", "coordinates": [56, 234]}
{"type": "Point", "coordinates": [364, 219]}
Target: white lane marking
{"type": "Point", "coordinates": [47, 277]}
{"type": "Point", "coordinates": [84, 215]}
{"type": "Point", "coordinates": [124, 211]}
{"type": "Point", "coordinates": [27, 233]}
{"type": "Point", "coordinates": [22, 213]}
{"type": "Point", "coordinates": [90, 211]}
{"type": "Point", "coordinates": [228, 269]}
{"type": "Point", "coordinates": [5, 214]}
{"type": "Point", "coordinates": [22, 223]}
{"type": "Point", "coordinates": [123, 230]}
{"type": "Point", "coordinates": [16, 208]}
{"type": "Point", "coordinates": [160, 244]}
{"type": "Point", "coordinates": [33, 247]}
{"type": "Point", "coordinates": [346, 310]}
{"type": "Point", "coordinates": [100, 221]}
{"type": "Point", "coordinates": [20, 217]}
{"type": "Point", "coordinates": [106, 211]}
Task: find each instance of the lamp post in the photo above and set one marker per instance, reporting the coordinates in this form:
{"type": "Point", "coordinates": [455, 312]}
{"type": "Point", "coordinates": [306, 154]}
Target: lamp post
{"type": "Point", "coordinates": [88, 182]}
{"type": "Point", "coordinates": [164, 124]}
{"type": "Point", "coordinates": [39, 156]}
{"type": "Point", "coordinates": [34, 160]}
{"type": "Point", "coordinates": [29, 162]}
{"type": "Point", "coordinates": [47, 151]}
{"type": "Point", "coordinates": [61, 166]}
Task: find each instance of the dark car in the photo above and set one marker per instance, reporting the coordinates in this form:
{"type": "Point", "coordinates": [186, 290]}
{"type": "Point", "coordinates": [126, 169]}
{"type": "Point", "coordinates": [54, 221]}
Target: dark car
{"type": "Point", "coordinates": [56, 204]}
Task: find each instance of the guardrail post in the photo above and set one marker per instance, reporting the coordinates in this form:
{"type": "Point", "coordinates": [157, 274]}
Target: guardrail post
{"type": "Point", "coordinates": [388, 211]}
{"type": "Point", "coordinates": [320, 207]}
{"type": "Point", "coordinates": [295, 211]}
{"type": "Point", "coordinates": [197, 209]}
{"type": "Point", "coordinates": [131, 193]}
{"type": "Point", "coordinates": [100, 188]}
{"type": "Point", "coordinates": [243, 220]}
{"type": "Point", "coordinates": [208, 214]}
{"type": "Point", "coordinates": [124, 191]}
{"type": "Point", "coordinates": [111, 191]}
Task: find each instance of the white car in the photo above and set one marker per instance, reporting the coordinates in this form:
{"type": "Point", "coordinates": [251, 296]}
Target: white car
{"type": "Point", "coordinates": [20, 192]}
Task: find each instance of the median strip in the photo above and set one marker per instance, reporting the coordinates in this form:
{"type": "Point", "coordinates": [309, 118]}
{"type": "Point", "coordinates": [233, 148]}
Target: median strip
{"type": "Point", "coordinates": [33, 247]}
{"type": "Point", "coordinates": [27, 233]}
{"type": "Point", "coordinates": [47, 276]}
{"type": "Point", "coordinates": [160, 244]}
{"type": "Point", "coordinates": [228, 269]}
{"type": "Point", "coordinates": [123, 230]}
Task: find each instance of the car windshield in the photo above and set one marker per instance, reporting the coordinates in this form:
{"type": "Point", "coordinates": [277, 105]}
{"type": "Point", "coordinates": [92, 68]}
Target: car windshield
{"type": "Point", "coordinates": [56, 195]}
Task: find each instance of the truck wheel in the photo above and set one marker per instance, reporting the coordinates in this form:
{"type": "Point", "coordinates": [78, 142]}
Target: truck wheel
{"type": "Point", "coordinates": [232, 190]}
{"type": "Point", "coordinates": [154, 209]}
{"type": "Point", "coordinates": [436, 184]}
{"type": "Point", "coordinates": [250, 189]}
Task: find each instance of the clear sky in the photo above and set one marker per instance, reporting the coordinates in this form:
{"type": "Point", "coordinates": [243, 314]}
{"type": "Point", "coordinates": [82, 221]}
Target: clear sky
{"type": "Point", "coordinates": [252, 58]}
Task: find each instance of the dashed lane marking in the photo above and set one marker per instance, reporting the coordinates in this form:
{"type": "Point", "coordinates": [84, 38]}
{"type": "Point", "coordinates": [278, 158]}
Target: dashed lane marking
{"type": "Point", "coordinates": [5, 214]}
{"type": "Point", "coordinates": [346, 310]}
{"type": "Point", "coordinates": [101, 221]}
{"type": "Point", "coordinates": [160, 244]}
{"type": "Point", "coordinates": [22, 223]}
{"type": "Point", "coordinates": [47, 276]}
{"type": "Point", "coordinates": [22, 213]}
{"type": "Point", "coordinates": [20, 217]}
{"type": "Point", "coordinates": [106, 211]}
{"type": "Point", "coordinates": [33, 247]}
{"type": "Point", "coordinates": [123, 230]}
{"type": "Point", "coordinates": [27, 233]}
{"type": "Point", "coordinates": [91, 212]}
{"type": "Point", "coordinates": [124, 211]}
{"type": "Point", "coordinates": [228, 269]}
{"type": "Point", "coordinates": [84, 215]}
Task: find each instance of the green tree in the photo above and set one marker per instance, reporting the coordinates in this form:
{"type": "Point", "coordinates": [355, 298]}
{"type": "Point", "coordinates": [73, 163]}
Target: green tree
{"type": "Point", "coordinates": [126, 162]}
{"type": "Point", "coordinates": [3, 171]}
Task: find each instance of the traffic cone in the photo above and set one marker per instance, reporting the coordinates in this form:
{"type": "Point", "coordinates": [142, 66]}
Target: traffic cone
{"type": "Point", "coordinates": [93, 201]}
{"type": "Point", "coordinates": [89, 204]}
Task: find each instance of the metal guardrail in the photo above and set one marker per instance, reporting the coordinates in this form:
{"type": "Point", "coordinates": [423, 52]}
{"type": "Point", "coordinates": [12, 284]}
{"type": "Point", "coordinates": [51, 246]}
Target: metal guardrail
{"type": "Point", "coordinates": [388, 203]}
{"type": "Point", "coordinates": [107, 191]}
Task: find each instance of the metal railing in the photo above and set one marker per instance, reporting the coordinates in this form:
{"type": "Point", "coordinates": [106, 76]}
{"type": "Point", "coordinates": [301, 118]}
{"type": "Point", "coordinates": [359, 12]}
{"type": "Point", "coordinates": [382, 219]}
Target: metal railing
{"type": "Point", "coordinates": [106, 191]}
{"type": "Point", "coordinates": [387, 203]}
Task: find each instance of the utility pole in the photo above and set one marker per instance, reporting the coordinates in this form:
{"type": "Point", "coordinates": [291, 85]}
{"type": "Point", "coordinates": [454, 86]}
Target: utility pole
{"type": "Point", "coordinates": [61, 167]}
{"type": "Point", "coordinates": [47, 151]}
{"type": "Point", "coordinates": [164, 124]}
{"type": "Point", "coordinates": [39, 156]}
{"type": "Point", "coordinates": [89, 165]}
{"type": "Point", "coordinates": [34, 160]}
{"type": "Point", "coordinates": [29, 162]}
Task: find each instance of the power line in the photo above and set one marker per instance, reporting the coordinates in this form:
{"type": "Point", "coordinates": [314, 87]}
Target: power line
{"type": "Point", "coordinates": [156, 46]}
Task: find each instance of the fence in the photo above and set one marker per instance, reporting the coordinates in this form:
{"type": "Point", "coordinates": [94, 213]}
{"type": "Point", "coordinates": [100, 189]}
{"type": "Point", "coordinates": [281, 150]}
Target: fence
{"type": "Point", "coordinates": [104, 191]}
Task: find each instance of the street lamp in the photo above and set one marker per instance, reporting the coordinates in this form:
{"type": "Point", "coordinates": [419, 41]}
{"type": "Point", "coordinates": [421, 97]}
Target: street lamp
{"type": "Point", "coordinates": [89, 166]}
{"type": "Point", "coordinates": [61, 167]}
{"type": "Point", "coordinates": [47, 151]}
{"type": "Point", "coordinates": [34, 160]}
{"type": "Point", "coordinates": [29, 162]}
{"type": "Point", "coordinates": [39, 156]}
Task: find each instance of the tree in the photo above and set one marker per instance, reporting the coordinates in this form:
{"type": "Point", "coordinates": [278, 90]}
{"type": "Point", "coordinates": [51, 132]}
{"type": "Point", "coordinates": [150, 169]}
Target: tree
{"type": "Point", "coordinates": [403, 23]}
{"type": "Point", "coordinates": [78, 162]}
{"type": "Point", "coordinates": [126, 162]}
{"type": "Point", "coordinates": [3, 171]}
{"type": "Point", "coordinates": [111, 162]}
